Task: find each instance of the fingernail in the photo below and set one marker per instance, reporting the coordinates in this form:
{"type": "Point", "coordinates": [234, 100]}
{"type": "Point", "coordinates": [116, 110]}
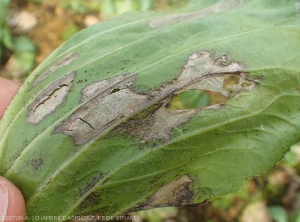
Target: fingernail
{"type": "Point", "coordinates": [3, 201]}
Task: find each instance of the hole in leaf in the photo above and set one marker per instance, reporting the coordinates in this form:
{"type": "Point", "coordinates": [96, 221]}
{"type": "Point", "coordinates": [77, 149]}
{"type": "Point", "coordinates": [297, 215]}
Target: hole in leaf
{"type": "Point", "coordinates": [230, 80]}
{"type": "Point", "coordinates": [115, 90]}
{"type": "Point", "coordinates": [193, 99]}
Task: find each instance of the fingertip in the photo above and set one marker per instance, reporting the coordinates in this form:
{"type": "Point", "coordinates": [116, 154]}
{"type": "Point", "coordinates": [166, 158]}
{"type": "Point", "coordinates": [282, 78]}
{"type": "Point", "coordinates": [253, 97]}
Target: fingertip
{"type": "Point", "coordinates": [7, 91]}
{"type": "Point", "coordinates": [16, 204]}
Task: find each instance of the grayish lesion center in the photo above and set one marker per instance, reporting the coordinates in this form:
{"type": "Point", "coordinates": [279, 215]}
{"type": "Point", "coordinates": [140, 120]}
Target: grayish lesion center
{"type": "Point", "coordinates": [48, 100]}
{"type": "Point", "coordinates": [66, 60]}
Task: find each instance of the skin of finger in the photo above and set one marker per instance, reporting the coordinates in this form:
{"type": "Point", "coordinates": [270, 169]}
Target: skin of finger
{"type": "Point", "coordinates": [16, 203]}
{"type": "Point", "coordinates": [7, 90]}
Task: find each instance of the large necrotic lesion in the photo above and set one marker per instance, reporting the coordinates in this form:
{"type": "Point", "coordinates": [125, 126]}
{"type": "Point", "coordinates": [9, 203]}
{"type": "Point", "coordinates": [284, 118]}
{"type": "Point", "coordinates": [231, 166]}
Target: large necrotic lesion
{"type": "Point", "coordinates": [176, 193]}
{"type": "Point", "coordinates": [102, 107]}
{"type": "Point", "coordinates": [55, 94]}
{"type": "Point", "coordinates": [107, 104]}
{"type": "Point", "coordinates": [48, 100]}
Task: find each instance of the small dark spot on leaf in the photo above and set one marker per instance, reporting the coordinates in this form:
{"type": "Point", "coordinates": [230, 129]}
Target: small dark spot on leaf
{"type": "Point", "coordinates": [37, 163]}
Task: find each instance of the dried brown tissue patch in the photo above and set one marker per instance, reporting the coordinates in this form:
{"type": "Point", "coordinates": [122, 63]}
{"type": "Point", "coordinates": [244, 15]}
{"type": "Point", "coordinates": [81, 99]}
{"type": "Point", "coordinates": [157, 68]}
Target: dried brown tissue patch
{"type": "Point", "coordinates": [175, 193]}
{"type": "Point", "coordinates": [223, 5]}
{"type": "Point", "coordinates": [49, 99]}
{"type": "Point", "coordinates": [109, 103]}
{"type": "Point", "coordinates": [102, 111]}
{"type": "Point", "coordinates": [68, 59]}
{"type": "Point", "coordinates": [104, 87]}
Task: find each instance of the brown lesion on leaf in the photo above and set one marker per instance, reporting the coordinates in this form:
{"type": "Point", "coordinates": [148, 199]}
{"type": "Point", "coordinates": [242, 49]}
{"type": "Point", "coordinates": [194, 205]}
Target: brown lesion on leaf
{"type": "Point", "coordinates": [49, 99]}
{"type": "Point", "coordinates": [176, 193]}
{"type": "Point", "coordinates": [90, 185]}
{"type": "Point", "coordinates": [103, 110]}
{"type": "Point", "coordinates": [203, 71]}
{"type": "Point", "coordinates": [106, 87]}
{"type": "Point", "coordinates": [112, 104]}
{"type": "Point", "coordinates": [93, 199]}
{"type": "Point", "coordinates": [68, 59]}
{"type": "Point", "coordinates": [222, 5]}
{"type": "Point", "coordinates": [157, 125]}
{"type": "Point", "coordinates": [164, 121]}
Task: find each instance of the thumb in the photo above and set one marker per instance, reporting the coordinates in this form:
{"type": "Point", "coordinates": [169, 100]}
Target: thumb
{"type": "Point", "coordinates": [7, 90]}
{"type": "Point", "coordinates": [12, 205]}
